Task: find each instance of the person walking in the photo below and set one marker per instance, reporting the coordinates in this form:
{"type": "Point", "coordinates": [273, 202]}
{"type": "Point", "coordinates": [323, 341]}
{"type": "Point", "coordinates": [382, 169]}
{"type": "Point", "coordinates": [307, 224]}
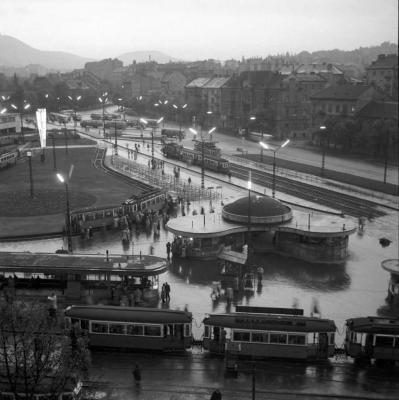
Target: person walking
{"type": "Point", "coordinates": [216, 395]}
{"type": "Point", "coordinates": [167, 291]}
{"type": "Point", "coordinates": [137, 375]}
{"type": "Point", "coordinates": [168, 245]}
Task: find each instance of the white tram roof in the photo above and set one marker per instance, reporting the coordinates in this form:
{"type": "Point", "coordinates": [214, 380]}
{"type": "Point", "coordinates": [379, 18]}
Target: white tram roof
{"type": "Point", "coordinates": [128, 314]}
{"type": "Point", "coordinates": [271, 322]}
{"type": "Point", "coordinates": [51, 263]}
{"type": "Point", "coordinates": [378, 325]}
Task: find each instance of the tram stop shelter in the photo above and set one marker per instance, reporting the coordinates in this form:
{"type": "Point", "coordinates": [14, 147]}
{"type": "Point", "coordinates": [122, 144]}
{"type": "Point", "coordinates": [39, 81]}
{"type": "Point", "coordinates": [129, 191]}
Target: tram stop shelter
{"type": "Point", "coordinates": [271, 226]}
{"type": "Point", "coordinates": [112, 278]}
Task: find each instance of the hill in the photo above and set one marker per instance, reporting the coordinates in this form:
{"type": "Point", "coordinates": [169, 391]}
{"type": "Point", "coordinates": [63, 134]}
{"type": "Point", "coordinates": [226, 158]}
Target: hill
{"type": "Point", "coordinates": [15, 53]}
{"type": "Point", "coordinates": [145, 55]}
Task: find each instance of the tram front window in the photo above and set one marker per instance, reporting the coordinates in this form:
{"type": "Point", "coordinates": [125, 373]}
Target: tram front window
{"type": "Point", "coordinates": [384, 341]}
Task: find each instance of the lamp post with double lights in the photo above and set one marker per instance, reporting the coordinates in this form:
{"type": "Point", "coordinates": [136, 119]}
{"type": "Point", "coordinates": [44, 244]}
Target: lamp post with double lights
{"type": "Point", "coordinates": [145, 122]}
{"type": "Point", "coordinates": [20, 110]}
{"type": "Point", "coordinates": [74, 101]}
{"type": "Point", "coordinates": [274, 150]}
{"type": "Point", "coordinates": [179, 110]}
{"type": "Point", "coordinates": [193, 131]}
{"type": "Point", "coordinates": [103, 99]}
{"type": "Point", "coordinates": [68, 213]}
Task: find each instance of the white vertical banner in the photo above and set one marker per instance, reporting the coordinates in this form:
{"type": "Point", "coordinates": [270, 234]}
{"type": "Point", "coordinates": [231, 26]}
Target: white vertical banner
{"type": "Point", "coordinates": [41, 125]}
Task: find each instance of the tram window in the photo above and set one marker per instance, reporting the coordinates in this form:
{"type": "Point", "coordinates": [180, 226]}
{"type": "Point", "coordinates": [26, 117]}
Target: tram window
{"type": "Point", "coordinates": [152, 330]}
{"type": "Point", "coordinates": [396, 345]}
{"type": "Point", "coordinates": [332, 338]}
{"type": "Point", "coordinates": [6, 396]}
{"type": "Point", "coordinates": [239, 336]}
{"type": "Point", "coordinates": [117, 329]}
{"type": "Point", "coordinates": [384, 341]}
{"type": "Point", "coordinates": [260, 337]}
{"type": "Point", "coordinates": [187, 329]}
{"type": "Point", "coordinates": [108, 214]}
{"type": "Point", "coordinates": [207, 330]}
{"type": "Point", "coordinates": [67, 396]}
{"type": "Point", "coordinates": [135, 330]}
{"type": "Point", "coordinates": [99, 328]}
{"type": "Point", "coordinates": [280, 338]}
{"type": "Point", "coordinates": [296, 339]}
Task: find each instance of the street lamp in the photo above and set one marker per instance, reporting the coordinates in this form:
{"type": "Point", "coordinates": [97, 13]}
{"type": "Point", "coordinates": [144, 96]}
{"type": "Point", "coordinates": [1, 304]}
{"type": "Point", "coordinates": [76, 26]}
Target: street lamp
{"type": "Point", "coordinates": [193, 131]}
{"type": "Point", "coordinates": [20, 111]}
{"type": "Point", "coordinates": [74, 101]}
{"type": "Point", "coordinates": [68, 217]}
{"type": "Point", "coordinates": [177, 108]}
{"type": "Point", "coordinates": [103, 100]}
{"type": "Point", "coordinates": [116, 139]}
{"type": "Point", "coordinates": [29, 154]}
{"type": "Point", "coordinates": [145, 122]}
{"type": "Point", "coordinates": [274, 150]}
{"type": "Point", "coordinates": [323, 149]}
{"type": "Point", "coordinates": [249, 209]}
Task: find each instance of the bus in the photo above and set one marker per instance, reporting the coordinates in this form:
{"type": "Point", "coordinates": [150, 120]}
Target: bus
{"type": "Point", "coordinates": [264, 332]}
{"type": "Point", "coordinates": [137, 328]}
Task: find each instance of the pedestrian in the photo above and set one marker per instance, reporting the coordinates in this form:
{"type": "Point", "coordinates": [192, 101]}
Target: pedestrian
{"type": "Point", "coordinates": [189, 181]}
{"type": "Point", "coordinates": [167, 291]}
{"type": "Point", "coordinates": [216, 395]}
{"type": "Point", "coordinates": [53, 306]}
{"type": "Point", "coordinates": [168, 249]}
{"type": "Point", "coordinates": [163, 294]}
{"type": "Point", "coordinates": [137, 375]}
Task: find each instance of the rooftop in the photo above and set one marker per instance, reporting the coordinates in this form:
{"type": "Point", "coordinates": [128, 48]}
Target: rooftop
{"type": "Point", "coordinates": [344, 91]}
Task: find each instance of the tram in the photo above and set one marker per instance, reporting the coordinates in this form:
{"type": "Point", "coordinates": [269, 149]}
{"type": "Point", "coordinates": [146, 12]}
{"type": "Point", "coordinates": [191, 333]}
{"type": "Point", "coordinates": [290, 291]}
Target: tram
{"type": "Point", "coordinates": [133, 327]}
{"type": "Point", "coordinates": [263, 332]}
{"type": "Point", "coordinates": [108, 216]}
{"type": "Point", "coordinates": [372, 338]}
{"type": "Point", "coordinates": [9, 158]}
{"type": "Point", "coordinates": [194, 156]}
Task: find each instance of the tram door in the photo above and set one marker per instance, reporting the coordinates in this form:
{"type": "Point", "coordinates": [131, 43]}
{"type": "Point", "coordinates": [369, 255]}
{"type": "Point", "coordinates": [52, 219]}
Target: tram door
{"type": "Point", "coordinates": [322, 347]}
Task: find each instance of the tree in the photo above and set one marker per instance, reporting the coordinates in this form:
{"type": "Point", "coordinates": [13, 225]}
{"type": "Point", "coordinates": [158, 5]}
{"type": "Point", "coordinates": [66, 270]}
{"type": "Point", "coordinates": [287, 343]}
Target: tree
{"type": "Point", "coordinates": [36, 351]}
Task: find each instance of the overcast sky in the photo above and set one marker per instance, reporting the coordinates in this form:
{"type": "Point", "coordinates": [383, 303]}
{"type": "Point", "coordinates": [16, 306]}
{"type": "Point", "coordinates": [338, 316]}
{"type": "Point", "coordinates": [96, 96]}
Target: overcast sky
{"type": "Point", "coordinates": [198, 29]}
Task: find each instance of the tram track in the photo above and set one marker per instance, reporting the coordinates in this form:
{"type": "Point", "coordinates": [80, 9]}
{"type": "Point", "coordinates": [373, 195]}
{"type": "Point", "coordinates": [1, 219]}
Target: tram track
{"type": "Point", "coordinates": [348, 204]}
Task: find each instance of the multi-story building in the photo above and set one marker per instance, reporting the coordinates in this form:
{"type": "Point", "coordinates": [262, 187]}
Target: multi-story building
{"type": "Point", "coordinates": [104, 68]}
{"type": "Point", "coordinates": [341, 100]}
{"type": "Point", "coordinates": [383, 73]}
{"type": "Point", "coordinates": [330, 72]}
{"type": "Point", "coordinates": [10, 129]}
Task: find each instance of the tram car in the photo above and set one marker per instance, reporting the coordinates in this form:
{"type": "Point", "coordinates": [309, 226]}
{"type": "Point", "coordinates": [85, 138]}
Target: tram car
{"type": "Point", "coordinates": [263, 332]}
{"type": "Point", "coordinates": [110, 216]}
{"type": "Point", "coordinates": [372, 338]}
{"type": "Point", "coordinates": [211, 162]}
{"type": "Point", "coordinates": [8, 159]}
{"type": "Point", "coordinates": [137, 328]}
{"type": "Point", "coordinates": [93, 123]}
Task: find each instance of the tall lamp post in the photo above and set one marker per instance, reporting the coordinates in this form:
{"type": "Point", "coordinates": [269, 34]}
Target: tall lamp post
{"type": "Point", "coordinates": [29, 154]}
{"type": "Point", "coordinates": [74, 101]}
{"type": "Point", "coordinates": [249, 209]}
{"type": "Point", "coordinates": [145, 122]}
{"type": "Point", "coordinates": [116, 139]}
{"type": "Point", "coordinates": [103, 100]}
{"type": "Point", "coordinates": [20, 110]}
{"type": "Point", "coordinates": [179, 111]}
{"type": "Point", "coordinates": [193, 131]}
{"type": "Point", "coordinates": [274, 150]}
{"type": "Point", "coordinates": [323, 149]}
{"type": "Point", "coordinates": [68, 213]}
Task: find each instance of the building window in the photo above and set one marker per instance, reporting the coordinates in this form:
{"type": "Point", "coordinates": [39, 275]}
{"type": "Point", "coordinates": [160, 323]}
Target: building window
{"type": "Point", "coordinates": [337, 108]}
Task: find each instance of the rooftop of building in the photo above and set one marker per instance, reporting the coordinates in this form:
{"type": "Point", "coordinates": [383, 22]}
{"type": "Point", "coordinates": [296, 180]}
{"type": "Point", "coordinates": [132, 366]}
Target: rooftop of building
{"type": "Point", "coordinates": [379, 109]}
{"type": "Point", "coordinates": [384, 61]}
{"type": "Point", "coordinates": [343, 91]}
{"type": "Point", "coordinates": [319, 68]}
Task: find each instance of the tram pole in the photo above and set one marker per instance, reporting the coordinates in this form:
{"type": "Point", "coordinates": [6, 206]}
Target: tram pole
{"type": "Point", "coordinates": [54, 156]}
{"type": "Point", "coordinates": [29, 154]}
{"type": "Point", "coordinates": [68, 216]}
{"type": "Point", "coordinates": [116, 140]}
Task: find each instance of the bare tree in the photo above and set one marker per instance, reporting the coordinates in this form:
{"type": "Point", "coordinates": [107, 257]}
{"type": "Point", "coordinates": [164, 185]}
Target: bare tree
{"type": "Point", "coordinates": [37, 354]}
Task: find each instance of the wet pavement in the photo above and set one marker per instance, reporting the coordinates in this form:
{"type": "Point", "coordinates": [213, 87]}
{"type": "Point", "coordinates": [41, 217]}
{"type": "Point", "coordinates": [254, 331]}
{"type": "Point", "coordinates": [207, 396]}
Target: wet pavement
{"type": "Point", "coordinates": [357, 287]}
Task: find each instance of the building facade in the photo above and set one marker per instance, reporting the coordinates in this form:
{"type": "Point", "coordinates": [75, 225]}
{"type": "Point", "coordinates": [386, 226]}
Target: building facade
{"type": "Point", "coordinates": [383, 73]}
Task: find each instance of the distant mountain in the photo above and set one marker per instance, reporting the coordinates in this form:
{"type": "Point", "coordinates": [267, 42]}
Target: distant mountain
{"type": "Point", "coordinates": [145, 55]}
{"type": "Point", "coordinates": [14, 53]}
